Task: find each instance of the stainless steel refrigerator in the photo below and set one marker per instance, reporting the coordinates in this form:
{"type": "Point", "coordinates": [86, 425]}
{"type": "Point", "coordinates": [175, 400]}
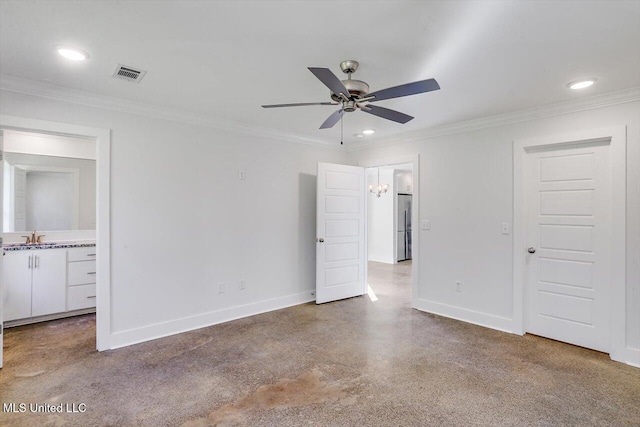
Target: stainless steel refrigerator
{"type": "Point", "coordinates": [404, 227]}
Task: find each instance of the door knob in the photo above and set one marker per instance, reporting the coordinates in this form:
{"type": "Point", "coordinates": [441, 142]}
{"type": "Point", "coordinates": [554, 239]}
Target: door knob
{"type": "Point", "coordinates": [531, 250]}
{"type": "Point", "coordinates": [321, 240]}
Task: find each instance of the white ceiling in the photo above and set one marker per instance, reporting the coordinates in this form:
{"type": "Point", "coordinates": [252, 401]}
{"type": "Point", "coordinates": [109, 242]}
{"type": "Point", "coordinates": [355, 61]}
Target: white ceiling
{"type": "Point", "coordinates": [225, 59]}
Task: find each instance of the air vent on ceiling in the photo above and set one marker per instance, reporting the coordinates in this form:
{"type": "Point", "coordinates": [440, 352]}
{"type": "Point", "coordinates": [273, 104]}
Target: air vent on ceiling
{"type": "Point", "coordinates": [128, 73]}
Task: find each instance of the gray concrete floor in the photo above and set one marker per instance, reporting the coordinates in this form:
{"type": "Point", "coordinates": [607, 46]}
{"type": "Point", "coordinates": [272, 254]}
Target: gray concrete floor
{"type": "Point", "coordinates": [350, 363]}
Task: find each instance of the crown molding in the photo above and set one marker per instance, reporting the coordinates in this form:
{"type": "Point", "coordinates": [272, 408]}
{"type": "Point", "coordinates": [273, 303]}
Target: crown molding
{"type": "Point", "coordinates": [59, 93]}
{"type": "Point", "coordinates": [550, 110]}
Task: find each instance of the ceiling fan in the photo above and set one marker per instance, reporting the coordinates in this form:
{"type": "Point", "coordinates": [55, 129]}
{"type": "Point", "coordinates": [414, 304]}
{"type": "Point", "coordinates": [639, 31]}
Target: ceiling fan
{"type": "Point", "coordinates": [353, 94]}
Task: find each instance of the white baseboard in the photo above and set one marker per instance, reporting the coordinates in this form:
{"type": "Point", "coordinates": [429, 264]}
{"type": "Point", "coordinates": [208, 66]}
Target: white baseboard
{"type": "Point", "coordinates": [479, 318]}
{"type": "Point", "coordinates": [628, 355]}
{"type": "Point", "coordinates": [163, 329]}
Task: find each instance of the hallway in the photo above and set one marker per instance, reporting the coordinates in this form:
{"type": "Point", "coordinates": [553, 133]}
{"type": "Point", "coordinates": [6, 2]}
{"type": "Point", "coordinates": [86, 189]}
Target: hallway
{"type": "Point", "coordinates": [354, 362]}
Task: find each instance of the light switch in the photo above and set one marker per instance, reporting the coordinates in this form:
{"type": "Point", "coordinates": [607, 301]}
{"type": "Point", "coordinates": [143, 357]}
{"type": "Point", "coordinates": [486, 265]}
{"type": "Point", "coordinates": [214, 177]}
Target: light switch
{"type": "Point", "coordinates": [425, 224]}
{"type": "Point", "coordinates": [242, 174]}
{"type": "Point", "coordinates": [506, 228]}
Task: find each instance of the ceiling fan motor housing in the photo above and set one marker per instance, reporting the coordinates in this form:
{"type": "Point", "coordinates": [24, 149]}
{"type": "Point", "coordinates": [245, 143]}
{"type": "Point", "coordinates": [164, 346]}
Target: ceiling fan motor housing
{"type": "Point", "coordinates": [355, 88]}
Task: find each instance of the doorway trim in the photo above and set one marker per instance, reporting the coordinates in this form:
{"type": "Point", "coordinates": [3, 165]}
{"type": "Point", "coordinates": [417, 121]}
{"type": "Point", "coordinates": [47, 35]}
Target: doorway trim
{"type": "Point", "coordinates": [616, 136]}
{"type": "Point", "coordinates": [103, 208]}
{"type": "Point", "coordinates": [413, 159]}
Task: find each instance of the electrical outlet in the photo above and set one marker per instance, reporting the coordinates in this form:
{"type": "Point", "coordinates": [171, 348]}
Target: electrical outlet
{"type": "Point", "coordinates": [221, 288]}
{"type": "Point", "coordinates": [242, 174]}
{"type": "Point", "coordinates": [458, 286]}
{"type": "Point", "coordinates": [425, 224]}
{"type": "Point", "coordinates": [242, 285]}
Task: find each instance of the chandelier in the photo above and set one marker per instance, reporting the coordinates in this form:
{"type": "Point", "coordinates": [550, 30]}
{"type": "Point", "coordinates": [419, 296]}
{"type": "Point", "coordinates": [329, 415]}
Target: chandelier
{"type": "Point", "coordinates": [380, 189]}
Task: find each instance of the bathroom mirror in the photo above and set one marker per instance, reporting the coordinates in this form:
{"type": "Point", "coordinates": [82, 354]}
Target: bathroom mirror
{"type": "Point", "coordinates": [48, 193]}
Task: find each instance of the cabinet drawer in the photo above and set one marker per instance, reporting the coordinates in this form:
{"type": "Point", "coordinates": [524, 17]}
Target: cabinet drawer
{"type": "Point", "coordinates": [81, 254]}
{"type": "Point", "coordinates": [83, 296]}
{"type": "Point", "coordinates": [81, 273]}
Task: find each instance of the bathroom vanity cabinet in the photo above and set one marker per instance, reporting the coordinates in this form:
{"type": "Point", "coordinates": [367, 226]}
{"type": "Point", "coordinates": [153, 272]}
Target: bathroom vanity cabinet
{"type": "Point", "coordinates": [42, 284]}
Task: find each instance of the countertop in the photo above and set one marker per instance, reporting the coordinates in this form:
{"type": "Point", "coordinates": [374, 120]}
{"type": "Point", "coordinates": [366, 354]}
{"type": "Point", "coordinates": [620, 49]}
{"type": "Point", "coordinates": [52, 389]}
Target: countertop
{"type": "Point", "coordinates": [46, 245]}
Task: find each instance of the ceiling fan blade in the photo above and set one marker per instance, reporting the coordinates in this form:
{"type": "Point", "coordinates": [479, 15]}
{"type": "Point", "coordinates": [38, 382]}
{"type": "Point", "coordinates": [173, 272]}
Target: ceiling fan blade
{"type": "Point", "coordinates": [405, 90]}
{"type": "Point", "coordinates": [332, 120]}
{"type": "Point", "coordinates": [299, 104]}
{"type": "Point", "coordinates": [387, 113]}
{"type": "Point", "coordinates": [330, 80]}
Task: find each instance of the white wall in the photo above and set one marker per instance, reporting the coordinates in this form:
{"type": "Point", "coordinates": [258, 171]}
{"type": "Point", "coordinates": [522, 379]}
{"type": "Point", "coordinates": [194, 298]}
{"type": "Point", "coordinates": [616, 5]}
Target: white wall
{"type": "Point", "coordinates": [182, 221]}
{"type": "Point", "coordinates": [466, 185]}
{"type": "Point", "coordinates": [381, 217]}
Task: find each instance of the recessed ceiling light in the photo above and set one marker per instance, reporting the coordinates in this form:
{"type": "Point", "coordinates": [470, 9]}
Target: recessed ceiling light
{"type": "Point", "coordinates": [582, 84]}
{"type": "Point", "coordinates": [73, 54]}
{"type": "Point", "coordinates": [368, 131]}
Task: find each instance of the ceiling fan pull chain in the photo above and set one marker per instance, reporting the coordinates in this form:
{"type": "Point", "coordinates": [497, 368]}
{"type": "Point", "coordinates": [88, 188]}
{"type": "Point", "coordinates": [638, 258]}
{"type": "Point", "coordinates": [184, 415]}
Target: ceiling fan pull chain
{"type": "Point", "coordinates": [341, 129]}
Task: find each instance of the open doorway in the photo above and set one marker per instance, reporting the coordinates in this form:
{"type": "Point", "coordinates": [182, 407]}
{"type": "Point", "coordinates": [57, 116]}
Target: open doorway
{"type": "Point", "coordinates": [48, 238]}
{"type": "Point", "coordinates": [390, 243]}
{"type": "Point", "coordinates": [54, 179]}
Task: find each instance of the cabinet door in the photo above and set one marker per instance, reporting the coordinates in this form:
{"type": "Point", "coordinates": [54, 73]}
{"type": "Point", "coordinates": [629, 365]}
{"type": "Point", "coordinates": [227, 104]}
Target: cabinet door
{"type": "Point", "coordinates": [49, 282]}
{"type": "Point", "coordinates": [16, 278]}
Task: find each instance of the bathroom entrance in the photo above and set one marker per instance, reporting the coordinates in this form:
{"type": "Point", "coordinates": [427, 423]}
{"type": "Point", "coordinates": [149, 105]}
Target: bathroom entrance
{"type": "Point", "coordinates": [53, 240]}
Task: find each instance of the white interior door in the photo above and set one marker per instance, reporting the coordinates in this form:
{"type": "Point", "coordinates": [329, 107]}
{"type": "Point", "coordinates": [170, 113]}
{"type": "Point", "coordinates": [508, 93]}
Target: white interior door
{"type": "Point", "coordinates": [568, 206]}
{"type": "Point", "coordinates": [340, 238]}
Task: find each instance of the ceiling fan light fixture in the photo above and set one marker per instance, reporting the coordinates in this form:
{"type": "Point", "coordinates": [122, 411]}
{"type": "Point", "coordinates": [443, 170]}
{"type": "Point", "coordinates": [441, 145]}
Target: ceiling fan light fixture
{"type": "Point", "coordinates": [582, 83]}
{"type": "Point", "coordinates": [72, 54]}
